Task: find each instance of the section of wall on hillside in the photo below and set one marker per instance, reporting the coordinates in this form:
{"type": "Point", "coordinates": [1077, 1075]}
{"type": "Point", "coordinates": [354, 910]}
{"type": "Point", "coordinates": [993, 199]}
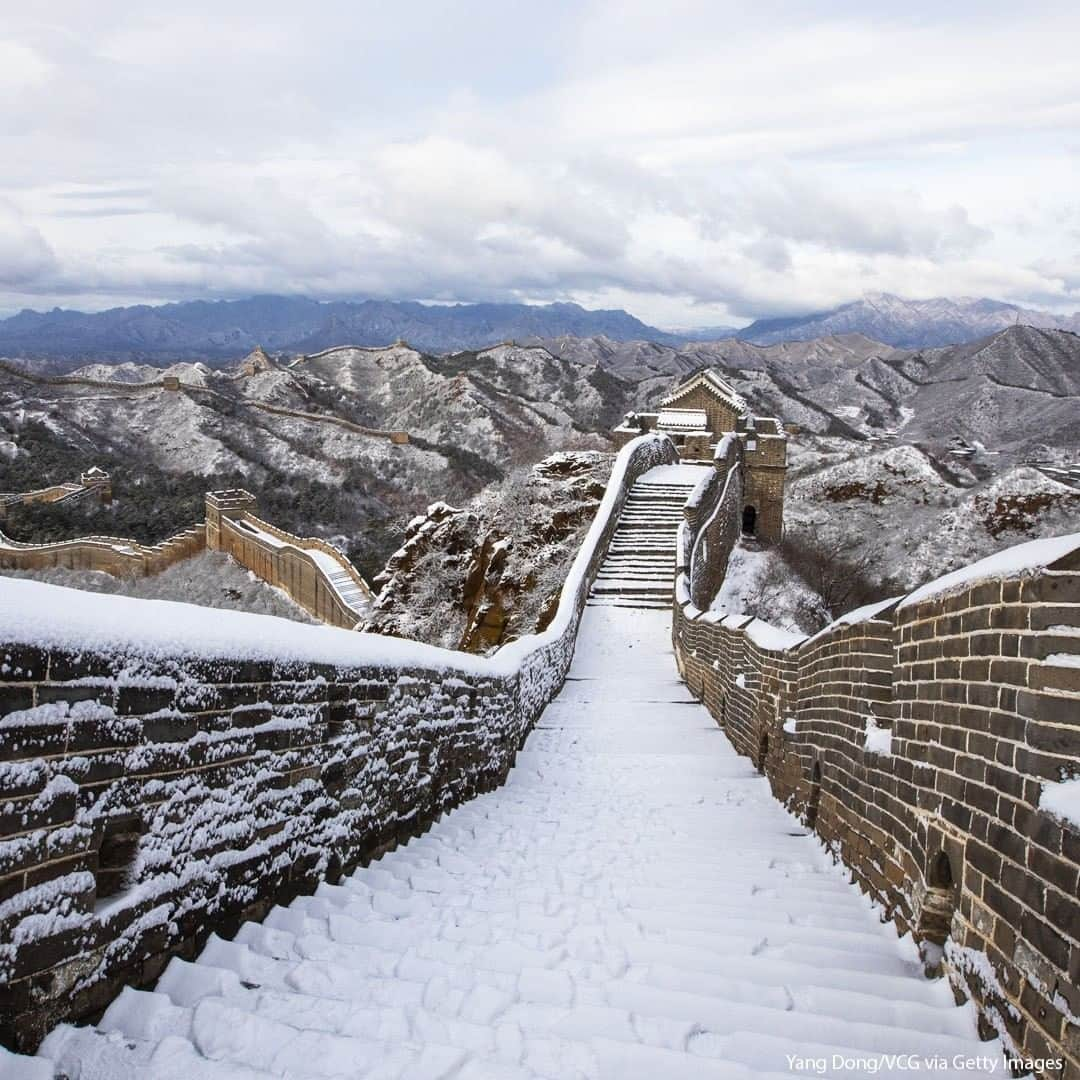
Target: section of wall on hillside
{"type": "Point", "coordinates": [917, 739]}
{"type": "Point", "coordinates": [312, 572]}
{"type": "Point", "coordinates": [713, 516]}
{"type": "Point", "coordinates": [107, 554]}
{"type": "Point", "coordinates": [162, 787]}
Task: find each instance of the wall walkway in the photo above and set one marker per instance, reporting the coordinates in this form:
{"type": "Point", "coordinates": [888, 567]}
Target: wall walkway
{"type": "Point", "coordinates": [631, 903]}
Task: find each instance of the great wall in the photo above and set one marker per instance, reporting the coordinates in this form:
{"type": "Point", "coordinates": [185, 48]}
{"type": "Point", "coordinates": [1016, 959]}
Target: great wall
{"type": "Point", "coordinates": [313, 573]}
{"type": "Point", "coordinates": [916, 737]}
{"type": "Point", "coordinates": [253, 365]}
{"type": "Point", "coordinates": [169, 786]}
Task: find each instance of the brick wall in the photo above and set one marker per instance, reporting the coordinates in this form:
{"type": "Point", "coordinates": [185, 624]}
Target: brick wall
{"type": "Point", "coordinates": [108, 554]}
{"type": "Point", "coordinates": [288, 564]}
{"type": "Point", "coordinates": [916, 737]}
{"type": "Point", "coordinates": [156, 792]}
{"type": "Point", "coordinates": [720, 415]}
{"type": "Point", "coordinates": [201, 792]}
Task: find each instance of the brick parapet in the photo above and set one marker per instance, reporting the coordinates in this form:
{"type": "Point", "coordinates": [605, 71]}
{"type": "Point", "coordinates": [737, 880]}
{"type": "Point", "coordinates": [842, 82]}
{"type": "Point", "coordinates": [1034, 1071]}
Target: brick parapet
{"type": "Point", "coordinates": [192, 793]}
{"type": "Point", "coordinates": [108, 554]}
{"type": "Point", "coordinates": [973, 698]}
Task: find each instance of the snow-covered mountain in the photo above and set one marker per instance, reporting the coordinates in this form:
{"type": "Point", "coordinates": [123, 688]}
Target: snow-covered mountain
{"type": "Point", "coordinates": [908, 323]}
{"type": "Point", "coordinates": [472, 418]}
{"type": "Point", "coordinates": [896, 447]}
{"type": "Point", "coordinates": [1016, 392]}
{"type": "Point", "coordinates": [221, 331]}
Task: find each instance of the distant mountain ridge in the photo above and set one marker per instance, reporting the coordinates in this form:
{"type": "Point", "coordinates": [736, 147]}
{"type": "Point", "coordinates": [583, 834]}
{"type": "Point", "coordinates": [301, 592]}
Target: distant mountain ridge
{"type": "Point", "coordinates": [909, 324]}
{"type": "Point", "coordinates": [223, 330]}
{"type": "Point", "coordinates": [228, 329]}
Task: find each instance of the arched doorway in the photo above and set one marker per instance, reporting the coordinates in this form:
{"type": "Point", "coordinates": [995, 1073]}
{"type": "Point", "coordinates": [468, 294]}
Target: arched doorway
{"type": "Point", "coordinates": [939, 900]}
{"type": "Point", "coordinates": [749, 521]}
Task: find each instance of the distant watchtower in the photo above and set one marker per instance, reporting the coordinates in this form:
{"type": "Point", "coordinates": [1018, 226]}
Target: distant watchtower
{"type": "Point", "coordinates": [225, 504]}
{"type": "Point", "coordinates": [696, 415]}
{"type": "Point", "coordinates": [98, 480]}
{"type": "Point", "coordinates": [256, 361]}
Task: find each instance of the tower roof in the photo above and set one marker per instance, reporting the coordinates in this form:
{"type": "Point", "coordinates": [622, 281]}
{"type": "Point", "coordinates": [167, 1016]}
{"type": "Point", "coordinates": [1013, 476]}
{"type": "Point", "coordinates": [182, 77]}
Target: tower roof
{"type": "Point", "coordinates": [711, 381]}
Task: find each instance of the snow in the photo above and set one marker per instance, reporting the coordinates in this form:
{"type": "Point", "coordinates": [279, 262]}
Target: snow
{"type": "Point", "coordinates": [1062, 800]}
{"type": "Point", "coordinates": [767, 636]}
{"type": "Point", "coordinates": [1022, 559]}
{"type": "Point", "coordinates": [878, 739]}
{"type": "Point", "coordinates": [209, 578]}
{"type": "Point", "coordinates": [523, 937]}
{"type": "Point", "coordinates": [1061, 659]}
{"type": "Point", "coordinates": [51, 616]}
{"type": "Point", "coordinates": [758, 581]}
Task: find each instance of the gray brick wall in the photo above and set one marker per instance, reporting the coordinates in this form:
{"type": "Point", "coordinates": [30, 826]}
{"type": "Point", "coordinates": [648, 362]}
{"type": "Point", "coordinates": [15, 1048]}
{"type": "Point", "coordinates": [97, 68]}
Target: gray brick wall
{"type": "Point", "coordinates": [942, 826]}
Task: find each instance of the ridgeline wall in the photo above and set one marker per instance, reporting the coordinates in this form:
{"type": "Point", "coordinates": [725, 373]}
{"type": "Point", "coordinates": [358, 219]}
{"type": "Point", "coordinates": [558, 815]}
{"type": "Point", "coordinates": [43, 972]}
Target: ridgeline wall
{"type": "Point", "coordinates": [110, 554]}
{"type": "Point", "coordinates": [924, 739]}
{"type": "Point", "coordinates": [170, 771]}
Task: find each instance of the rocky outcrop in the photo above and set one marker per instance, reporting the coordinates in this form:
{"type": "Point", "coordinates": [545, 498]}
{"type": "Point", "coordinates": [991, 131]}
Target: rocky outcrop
{"type": "Point", "coordinates": [479, 576]}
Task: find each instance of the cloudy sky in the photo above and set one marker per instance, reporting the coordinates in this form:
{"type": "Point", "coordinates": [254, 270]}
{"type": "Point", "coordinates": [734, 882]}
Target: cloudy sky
{"type": "Point", "coordinates": [695, 162]}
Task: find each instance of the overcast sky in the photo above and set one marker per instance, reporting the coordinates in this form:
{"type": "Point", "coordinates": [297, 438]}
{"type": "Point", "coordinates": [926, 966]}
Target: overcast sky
{"type": "Point", "coordinates": [697, 163]}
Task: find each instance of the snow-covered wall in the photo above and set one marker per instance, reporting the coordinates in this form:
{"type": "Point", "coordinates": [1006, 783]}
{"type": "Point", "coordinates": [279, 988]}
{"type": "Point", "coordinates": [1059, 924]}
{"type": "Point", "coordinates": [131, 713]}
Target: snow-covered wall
{"type": "Point", "coordinates": [312, 572]}
{"type": "Point", "coordinates": [713, 515]}
{"type": "Point", "coordinates": [932, 742]}
{"type": "Point", "coordinates": [108, 554]}
{"type": "Point", "coordinates": [170, 771]}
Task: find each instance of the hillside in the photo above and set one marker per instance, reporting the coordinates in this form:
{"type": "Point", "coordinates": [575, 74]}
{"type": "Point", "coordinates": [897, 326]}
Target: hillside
{"type": "Point", "coordinates": [294, 436]}
{"type": "Point", "coordinates": [1016, 392]}
{"type": "Point", "coordinates": [874, 467]}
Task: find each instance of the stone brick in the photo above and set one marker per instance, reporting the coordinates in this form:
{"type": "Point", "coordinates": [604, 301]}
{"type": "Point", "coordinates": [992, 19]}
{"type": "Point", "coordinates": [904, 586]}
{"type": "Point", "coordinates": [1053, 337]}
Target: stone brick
{"type": "Point", "coordinates": [139, 700]}
{"type": "Point", "coordinates": [15, 698]}
{"type": "Point", "coordinates": [22, 663]}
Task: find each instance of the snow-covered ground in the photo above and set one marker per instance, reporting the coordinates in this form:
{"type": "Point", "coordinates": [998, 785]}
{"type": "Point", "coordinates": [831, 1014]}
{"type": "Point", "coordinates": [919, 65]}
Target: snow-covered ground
{"type": "Point", "coordinates": [632, 905]}
{"type": "Point", "coordinates": [210, 578]}
{"type": "Point", "coordinates": [912, 517]}
{"type": "Point", "coordinates": [758, 582]}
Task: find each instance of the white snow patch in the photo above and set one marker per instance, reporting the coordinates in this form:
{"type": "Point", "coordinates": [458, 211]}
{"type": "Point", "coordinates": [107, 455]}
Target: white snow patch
{"type": "Point", "coordinates": [1063, 659]}
{"type": "Point", "coordinates": [878, 739]}
{"type": "Point", "coordinates": [1062, 800]}
{"type": "Point", "coordinates": [858, 615]}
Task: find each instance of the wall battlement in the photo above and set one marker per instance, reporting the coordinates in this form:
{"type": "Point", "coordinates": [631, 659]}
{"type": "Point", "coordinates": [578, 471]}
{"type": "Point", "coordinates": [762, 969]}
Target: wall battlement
{"type": "Point", "coordinates": [918, 738]}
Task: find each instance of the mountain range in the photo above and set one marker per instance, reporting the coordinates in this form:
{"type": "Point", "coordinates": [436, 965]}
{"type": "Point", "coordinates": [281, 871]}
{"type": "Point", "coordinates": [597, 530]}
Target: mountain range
{"type": "Point", "coordinates": [223, 330]}
{"type": "Point", "coordinates": [220, 331]}
{"type": "Point", "coordinates": [910, 462]}
{"type": "Point", "coordinates": [912, 324]}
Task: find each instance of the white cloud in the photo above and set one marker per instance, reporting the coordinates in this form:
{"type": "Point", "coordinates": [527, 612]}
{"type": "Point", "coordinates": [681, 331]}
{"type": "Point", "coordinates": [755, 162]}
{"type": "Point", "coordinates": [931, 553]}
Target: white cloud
{"type": "Point", "coordinates": [702, 162]}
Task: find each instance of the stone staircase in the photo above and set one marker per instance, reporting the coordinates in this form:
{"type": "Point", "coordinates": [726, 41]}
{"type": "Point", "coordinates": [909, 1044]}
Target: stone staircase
{"type": "Point", "coordinates": [633, 904]}
{"type": "Point", "coordinates": [639, 570]}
